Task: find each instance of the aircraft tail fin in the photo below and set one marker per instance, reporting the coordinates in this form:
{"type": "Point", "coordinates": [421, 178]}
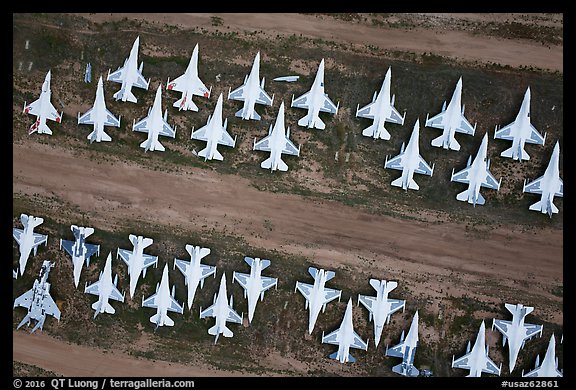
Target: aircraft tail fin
{"type": "Point", "coordinates": [351, 359]}
{"type": "Point", "coordinates": [44, 129]}
{"type": "Point", "coordinates": [218, 155]}
{"type": "Point", "coordinates": [372, 131]}
{"type": "Point", "coordinates": [369, 131]}
{"type": "Point", "coordinates": [463, 196]}
{"type": "Point", "coordinates": [255, 115]}
{"type": "Point", "coordinates": [304, 121]}
{"type": "Point", "coordinates": [168, 321]}
{"type": "Point", "coordinates": [509, 153]}
{"type": "Point", "coordinates": [25, 320]}
{"type": "Point", "coordinates": [227, 332]}
{"type": "Point", "coordinates": [185, 104]}
{"type": "Point", "coordinates": [319, 124]}
{"type": "Point", "coordinates": [152, 145]}
{"type": "Point", "coordinates": [93, 136]}
{"type": "Point", "coordinates": [438, 141]}
{"type": "Point", "coordinates": [266, 164]}
{"type": "Point", "coordinates": [398, 182]}
{"type": "Point", "coordinates": [413, 185]}
{"type": "Point", "coordinates": [213, 330]}
{"type": "Point", "coordinates": [125, 94]}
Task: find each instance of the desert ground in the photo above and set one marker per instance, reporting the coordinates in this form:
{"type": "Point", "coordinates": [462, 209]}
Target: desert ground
{"type": "Point", "coordinates": [334, 209]}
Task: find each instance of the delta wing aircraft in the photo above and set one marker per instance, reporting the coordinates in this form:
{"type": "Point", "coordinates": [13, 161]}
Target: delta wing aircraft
{"type": "Point", "coordinates": [254, 284]}
{"type": "Point", "coordinates": [476, 175]}
{"type": "Point", "coordinates": [38, 300]}
{"type": "Point", "coordinates": [129, 75]}
{"type": "Point", "coordinates": [477, 359]}
{"type": "Point", "coordinates": [345, 338]}
{"type": "Point", "coordinates": [194, 271]}
{"type": "Point", "coordinates": [155, 125]}
{"type": "Point", "coordinates": [79, 249]}
{"type": "Point", "coordinates": [214, 133]}
{"type": "Point", "coordinates": [189, 84]}
{"type": "Point", "coordinates": [549, 366]}
{"type": "Point", "coordinates": [277, 142]}
{"type": "Point", "coordinates": [380, 307]}
{"type": "Point", "coordinates": [516, 331]}
{"type": "Point", "coordinates": [222, 312]}
{"type": "Point", "coordinates": [105, 289]}
{"type": "Point", "coordinates": [43, 109]}
{"type": "Point", "coordinates": [409, 161]}
{"type": "Point", "coordinates": [314, 101]}
{"type": "Point", "coordinates": [27, 239]}
{"type": "Point", "coordinates": [136, 260]}
{"type": "Point", "coordinates": [519, 132]}
{"type": "Point", "coordinates": [381, 110]}
{"type": "Point", "coordinates": [163, 301]}
{"type": "Point", "coordinates": [317, 296]}
{"type": "Point", "coordinates": [406, 350]}
{"type": "Point", "coordinates": [451, 119]}
{"type": "Point", "coordinates": [99, 116]}
{"type": "Point", "coordinates": [251, 92]}
{"type": "Point", "coordinates": [548, 186]}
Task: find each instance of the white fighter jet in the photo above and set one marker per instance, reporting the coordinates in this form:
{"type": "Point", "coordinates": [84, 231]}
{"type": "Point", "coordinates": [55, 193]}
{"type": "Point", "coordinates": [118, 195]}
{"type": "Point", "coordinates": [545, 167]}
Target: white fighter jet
{"type": "Point", "coordinates": [345, 338]}
{"type": "Point", "coordinates": [451, 119]}
{"type": "Point", "coordinates": [409, 161]}
{"type": "Point", "coordinates": [381, 110]}
{"type": "Point", "coordinates": [251, 92]}
{"type": "Point", "coordinates": [79, 249]}
{"type": "Point", "coordinates": [136, 260]}
{"type": "Point", "coordinates": [315, 100]}
{"type": "Point", "coordinates": [42, 109]}
{"type": "Point", "coordinates": [129, 75]}
{"type": "Point", "coordinates": [277, 142]}
{"type": "Point", "coordinates": [516, 331]}
{"type": "Point", "coordinates": [99, 116]}
{"type": "Point", "coordinates": [189, 84]}
{"type": "Point", "coordinates": [163, 301]}
{"type": "Point", "coordinates": [549, 185]}
{"type": "Point", "coordinates": [222, 312]}
{"type": "Point", "coordinates": [381, 307]}
{"type": "Point", "coordinates": [155, 125]}
{"type": "Point", "coordinates": [406, 350]}
{"type": "Point", "coordinates": [105, 289]}
{"type": "Point", "coordinates": [476, 175]}
{"type": "Point", "coordinates": [38, 300]}
{"type": "Point", "coordinates": [519, 132]}
{"type": "Point", "coordinates": [477, 359]}
{"type": "Point", "coordinates": [27, 239]}
{"type": "Point", "coordinates": [317, 296]}
{"type": "Point", "coordinates": [194, 271]}
{"type": "Point", "coordinates": [254, 284]}
{"type": "Point", "coordinates": [214, 133]}
{"type": "Point", "coordinates": [549, 366]}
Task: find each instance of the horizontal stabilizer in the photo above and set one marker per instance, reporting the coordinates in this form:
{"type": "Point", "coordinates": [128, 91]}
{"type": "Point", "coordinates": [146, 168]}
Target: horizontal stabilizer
{"type": "Point", "coordinates": [109, 309]}
{"type": "Point", "coordinates": [319, 124]}
{"type": "Point", "coordinates": [397, 182]}
{"type": "Point", "coordinates": [438, 141]}
{"type": "Point", "coordinates": [333, 355]}
{"type": "Point", "coordinates": [213, 330]}
{"type": "Point", "coordinates": [369, 131]}
{"type": "Point", "coordinates": [304, 121]}
{"type": "Point", "coordinates": [227, 332]}
{"type": "Point", "coordinates": [413, 185]}
{"type": "Point", "coordinates": [463, 196]}
{"type": "Point", "coordinates": [124, 95]}
{"type": "Point", "coordinates": [330, 275]}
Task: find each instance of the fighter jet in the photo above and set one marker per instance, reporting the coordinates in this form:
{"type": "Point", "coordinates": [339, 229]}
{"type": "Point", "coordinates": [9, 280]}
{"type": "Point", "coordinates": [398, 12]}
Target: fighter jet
{"type": "Point", "coordinates": [163, 301]}
{"type": "Point", "coordinates": [381, 110]}
{"type": "Point", "coordinates": [222, 312]}
{"type": "Point", "coordinates": [194, 272]}
{"type": "Point", "coordinates": [477, 360]}
{"type": "Point", "coordinates": [451, 119]}
{"type": "Point", "coordinates": [129, 75]}
{"type": "Point", "coordinates": [136, 260]}
{"type": "Point", "coordinates": [380, 307]}
{"type": "Point", "coordinates": [476, 175]}
{"type": "Point", "coordinates": [99, 116]}
{"type": "Point", "coordinates": [42, 109]}
{"type": "Point", "coordinates": [549, 366]}
{"type": "Point", "coordinates": [519, 132]}
{"type": "Point", "coordinates": [277, 142]}
{"type": "Point", "coordinates": [27, 239]}
{"type": "Point", "coordinates": [345, 338]}
{"type": "Point", "coordinates": [105, 289]}
{"type": "Point", "coordinates": [409, 162]}
{"type": "Point", "coordinates": [516, 331]}
{"type": "Point", "coordinates": [549, 185]}
{"type": "Point", "coordinates": [38, 300]}
{"type": "Point", "coordinates": [189, 84]}
{"type": "Point", "coordinates": [79, 249]}
{"type": "Point", "coordinates": [214, 133]}
{"type": "Point", "coordinates": [317, 296]}
{"type": "Point", "coordinates": [155, 125]}
{"type": "Point", "coordinates": [254, 284]}
{"type": "Point", "coordinates": [406, 350]}
{"type": "Point", "coordinates": [251, 92]}
{"type": "Point", "coordinates": [315, 100]}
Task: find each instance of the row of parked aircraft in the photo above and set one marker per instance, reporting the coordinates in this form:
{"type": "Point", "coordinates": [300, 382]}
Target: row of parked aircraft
{"type": "Point", "coordinates": [380, 307]}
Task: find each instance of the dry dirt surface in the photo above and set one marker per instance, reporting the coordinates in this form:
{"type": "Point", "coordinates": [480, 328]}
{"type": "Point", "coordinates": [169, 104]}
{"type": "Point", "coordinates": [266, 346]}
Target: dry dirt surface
{"type": "Point", "coordinates": [444, 263]}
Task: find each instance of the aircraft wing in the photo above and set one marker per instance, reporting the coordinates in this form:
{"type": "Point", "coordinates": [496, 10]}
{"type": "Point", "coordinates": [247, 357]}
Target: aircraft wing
{"type": "Point", "coordinates": [17, 234]}
{"type": "Point", "coordinates": [117, 75]}
{"type": "Point", "coordinates": [263, 144]}
{"type": "Point", "coordinates": [396, 162]}
{"type": "Point", "coordinates": [140, 81]}
{"type": "Point", "coordinates": [242, 279]}
{"type": "Point", "coordinates": [238, 94]}
{"type": "Point", "coordinates": [423, 167]}
{"type": "Point", "coordinates": [463, 176]}
{"type": "Point", "coordinates": [208, 312]}
{"type": "Point", "coordinates": [142, 125]}
{"type": "Point", "coordinates": [263, 97]}
{"type": "Point", "coordinates": [395, 116]}
{"type": "Point", "coordinates": [396, 351]}
{"type": "Point", "coordinates": [116, 294]}
{"type": "Point", "coordinates": [302, 101]}
{"type": "Point", "coordinates": [503, 326]}
{"type": "Point", "coordinates": [151, 301]}
{"type": "Point", "coordinates": [87, 118]}
{"type": "Point", "coordinates": [51, 308]}
{"type": "Point", "coordinates": [33, 108]}
{"type": "Point", "coordinates": [39, 239]}
{"type": "Point", "coordinates": [531, 330]}
{"type": "Point", "coordinates": [367, 301]}
{"type": "Point", "coordinates": [67, 245]}
{"type": "Point", "coordinates": [332, 337]}
{"type": "Point", "coordinates": [200, 134]}
{"type": "Point", "coordinates": [465, 126]}
{"type": "Point", "coordinates": [233, 316]}
{"type": "Point", "coordinates": [357, 342]}
{"type": "Point", "coordinates": [328, 105]}
{"type": "Point", "coordinates": [290, 148]}
{"type": "Point", "coordinates": [462, 362]}
{"type": "Point", "coordinates": [90, 249]}
{"type": "Point", "coordinates": [367, 111]}
{"type": "Point", "coordinates": [93, 289]}
{"type": "Point", "coordinates": [167, 130]}
{"type": "Point", "coordinates": [490, 181]}
{"type": "Point", "coordinates": [111, 120]}
{"type": "Point", "coordinates": [561, 190]}
{"type": "Point", "coordinates": [305, 289]}
{"type": "Point", "coordinates": [206, 270]}
{"type": "Point", "coordinates": [149, 260]}
{"type": "Point", "coordinates": [267, 283]}
{"type": "Point", "coordinates": [535, 136]}
{"type": "Point", "coordinates": [125, 255]}
{"type": "Point", "coordinates": [491, 367]}
{"type": "Point", "coordinates": [505, 132]}
{"type": "Point", "coordinates": [331, 294]}
{"type": "Point", "coordinates": [175, 306]}
{"type": "Point", "coordinates": [436, 121]}
{"type": "Point", "coordinates": [178, 84]}
{"type": "Point", "coordinates": [226, 139]}
{"type": "Point", "coordinates": [537, 372]}
{"type": "Point", "coordinates": [25, 300]}
{"type": "Point", "coordinates": [535, 186]}
{"type": "Point", "coordinates": [395, 305]}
